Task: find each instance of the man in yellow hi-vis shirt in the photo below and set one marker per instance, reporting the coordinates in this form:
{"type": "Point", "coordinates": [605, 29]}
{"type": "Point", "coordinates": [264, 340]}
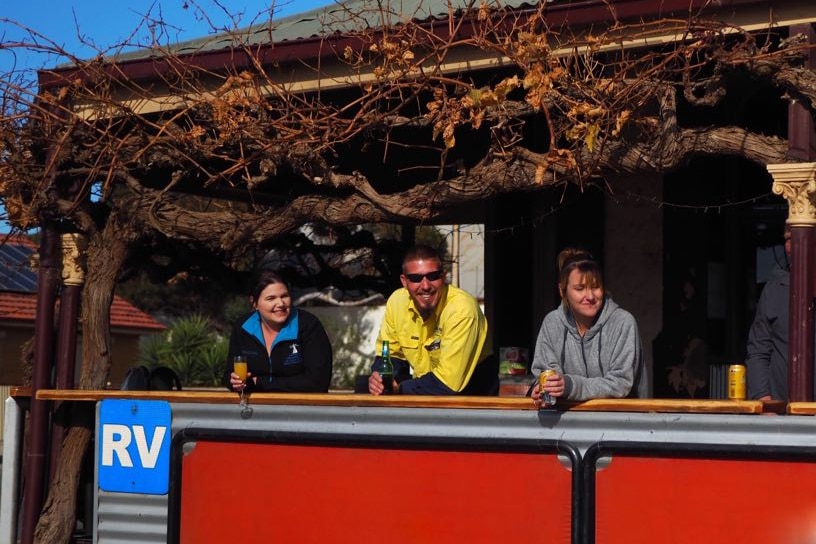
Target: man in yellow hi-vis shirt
{"type": "Point", "coordinates": [437, 330]}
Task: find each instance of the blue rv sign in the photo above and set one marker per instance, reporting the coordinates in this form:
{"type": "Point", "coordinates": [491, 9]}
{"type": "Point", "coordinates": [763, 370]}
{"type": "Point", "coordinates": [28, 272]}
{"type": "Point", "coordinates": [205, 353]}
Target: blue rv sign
{"type": "Point", "coordinates": [133, 454]}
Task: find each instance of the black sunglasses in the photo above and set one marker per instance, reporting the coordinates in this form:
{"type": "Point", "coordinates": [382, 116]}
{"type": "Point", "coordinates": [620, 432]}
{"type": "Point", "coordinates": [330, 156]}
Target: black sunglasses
{"type": "Point", "coordinates": [432, 276]}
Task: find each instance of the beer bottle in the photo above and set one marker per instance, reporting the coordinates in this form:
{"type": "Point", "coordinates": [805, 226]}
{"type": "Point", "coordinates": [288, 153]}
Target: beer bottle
{"type": "Point", "coordinates": [386, 369]}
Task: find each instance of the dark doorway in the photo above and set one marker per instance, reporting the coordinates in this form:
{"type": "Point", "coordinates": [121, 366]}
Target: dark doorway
{"type": "Point", "coordinates": [720, 219]}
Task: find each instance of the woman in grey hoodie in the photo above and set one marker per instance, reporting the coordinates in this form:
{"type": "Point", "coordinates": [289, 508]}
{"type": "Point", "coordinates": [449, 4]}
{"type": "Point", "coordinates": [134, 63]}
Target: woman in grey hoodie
{"type": "Point", "coordinates": [592, 343]}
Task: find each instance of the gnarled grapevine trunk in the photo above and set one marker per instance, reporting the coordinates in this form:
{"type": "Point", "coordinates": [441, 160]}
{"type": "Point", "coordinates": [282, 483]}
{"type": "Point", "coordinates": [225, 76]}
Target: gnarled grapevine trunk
{"type": "Point", "coordinates": [107, 251]}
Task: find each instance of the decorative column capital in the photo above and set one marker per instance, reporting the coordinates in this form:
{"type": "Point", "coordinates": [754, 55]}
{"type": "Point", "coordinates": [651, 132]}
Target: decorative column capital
{"type": "Point", "coordinates": [74, 247]}
{"type": "Point", "coordinates": [797, 183]}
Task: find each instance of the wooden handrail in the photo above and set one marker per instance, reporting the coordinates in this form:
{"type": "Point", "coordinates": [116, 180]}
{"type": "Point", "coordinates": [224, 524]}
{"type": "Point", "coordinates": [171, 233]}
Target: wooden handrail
{"type": "Point", "coordinates": [413, 401]}
{"type": "Point", "coordinates": [671, 405]}
{"type": "Point", "coordinates": [298, 399]}
{"type": "Point", "coordinates": [802, 408]}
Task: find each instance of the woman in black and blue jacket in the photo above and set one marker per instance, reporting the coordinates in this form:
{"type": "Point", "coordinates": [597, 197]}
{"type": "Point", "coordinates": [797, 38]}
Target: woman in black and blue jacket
{"type": "Point", "coordinates": [286, 349]}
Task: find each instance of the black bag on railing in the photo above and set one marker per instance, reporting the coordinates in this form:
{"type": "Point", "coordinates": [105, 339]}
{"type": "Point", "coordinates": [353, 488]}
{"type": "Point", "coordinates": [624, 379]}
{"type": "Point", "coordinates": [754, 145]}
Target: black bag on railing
{"type": "Point", "coordinates": [141, 378]}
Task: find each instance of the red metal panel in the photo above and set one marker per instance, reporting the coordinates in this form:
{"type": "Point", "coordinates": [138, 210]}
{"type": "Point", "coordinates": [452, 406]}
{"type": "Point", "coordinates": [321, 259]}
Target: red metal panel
{"type": "Point", "coordinates": [704, 500]}
{"type": "Point", "coordinates": [260, 493]}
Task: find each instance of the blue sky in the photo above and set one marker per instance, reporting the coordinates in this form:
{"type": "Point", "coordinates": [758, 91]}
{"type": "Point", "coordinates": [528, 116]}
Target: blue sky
{"type": "Point", "coordinates": [107, 23]}
{"type": "Point", "coordinates": [72, 24]}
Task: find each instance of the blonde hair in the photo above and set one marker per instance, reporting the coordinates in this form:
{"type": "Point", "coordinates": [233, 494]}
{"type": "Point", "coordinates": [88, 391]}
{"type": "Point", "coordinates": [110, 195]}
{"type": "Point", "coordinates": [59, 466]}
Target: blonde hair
{"type": "Point", "coordinates": [578, 259]}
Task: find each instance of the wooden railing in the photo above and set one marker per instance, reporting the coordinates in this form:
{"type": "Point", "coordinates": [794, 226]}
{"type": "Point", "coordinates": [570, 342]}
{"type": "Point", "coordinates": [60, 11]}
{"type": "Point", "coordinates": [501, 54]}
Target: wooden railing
{"type": "Point", "coordinates": [417, 401]}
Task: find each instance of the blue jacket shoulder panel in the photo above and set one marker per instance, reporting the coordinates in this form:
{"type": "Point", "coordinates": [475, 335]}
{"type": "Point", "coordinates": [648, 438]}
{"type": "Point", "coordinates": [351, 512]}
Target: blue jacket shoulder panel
{"type": "Point", "coordinates": [299, 360]}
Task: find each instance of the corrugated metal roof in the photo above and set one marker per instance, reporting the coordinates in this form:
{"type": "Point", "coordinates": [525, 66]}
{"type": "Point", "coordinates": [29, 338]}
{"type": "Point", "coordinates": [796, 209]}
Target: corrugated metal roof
{"type": "Point", "coordinates": [299, 37]}
{"type": "Point", "coordinates": [342, 17]}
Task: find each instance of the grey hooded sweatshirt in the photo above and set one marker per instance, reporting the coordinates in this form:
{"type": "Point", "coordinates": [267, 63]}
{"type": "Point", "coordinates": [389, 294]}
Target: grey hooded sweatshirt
{"type": "Point", "coordinates": [606, 363]}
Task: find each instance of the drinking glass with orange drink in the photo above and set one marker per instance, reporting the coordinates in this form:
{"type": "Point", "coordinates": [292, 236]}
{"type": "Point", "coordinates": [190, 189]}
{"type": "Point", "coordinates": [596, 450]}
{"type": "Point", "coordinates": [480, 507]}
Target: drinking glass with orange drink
{"type": "Point", "coordinates": [239, 366]}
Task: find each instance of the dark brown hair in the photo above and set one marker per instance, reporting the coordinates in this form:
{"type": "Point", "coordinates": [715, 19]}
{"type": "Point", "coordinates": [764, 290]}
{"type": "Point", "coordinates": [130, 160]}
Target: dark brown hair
{"type": "Point", "coordinates": [262, 280]}
{"type": "Point", "coordinates": [578, 259]}
{"type": "Point", "coordinates": [421, 253]}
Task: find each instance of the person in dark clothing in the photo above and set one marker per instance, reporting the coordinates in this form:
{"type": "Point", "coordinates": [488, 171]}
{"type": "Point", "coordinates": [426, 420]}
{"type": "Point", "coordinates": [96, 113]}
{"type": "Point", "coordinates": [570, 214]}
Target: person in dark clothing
{"type": "Point", "coordinates": [286, 348]}
{"type": "Point", "coordinates": [767, 349]}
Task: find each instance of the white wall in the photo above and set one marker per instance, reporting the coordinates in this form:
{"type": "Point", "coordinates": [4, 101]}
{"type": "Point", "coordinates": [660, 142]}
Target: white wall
{"type": "Point", "coordinates": [470, 257]}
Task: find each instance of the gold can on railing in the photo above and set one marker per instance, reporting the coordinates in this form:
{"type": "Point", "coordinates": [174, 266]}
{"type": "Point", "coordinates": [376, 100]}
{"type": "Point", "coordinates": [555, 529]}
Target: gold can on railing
{"type": "Point", "coordinates": [546, 398]}
{"type": "Point", "coordinates": [736, 382]}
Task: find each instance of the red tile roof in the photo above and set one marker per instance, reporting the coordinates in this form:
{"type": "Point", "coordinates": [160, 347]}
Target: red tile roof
{"type": "Point", "coordinates": [126, 315]}
{"type": "Point", "coordinates": [21, 306]}
{"type": "Point", "coordinates": [18, 306]}
{"type": "Point", "coordinates": [18, 240]}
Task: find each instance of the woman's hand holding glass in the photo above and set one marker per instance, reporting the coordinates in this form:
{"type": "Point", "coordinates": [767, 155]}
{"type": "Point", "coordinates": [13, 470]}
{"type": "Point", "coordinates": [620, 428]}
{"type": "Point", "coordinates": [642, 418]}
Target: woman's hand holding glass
{"type": "Point", "coordinates": [239, 374]}
{"type": "Point", "coordinates": [238, 379]}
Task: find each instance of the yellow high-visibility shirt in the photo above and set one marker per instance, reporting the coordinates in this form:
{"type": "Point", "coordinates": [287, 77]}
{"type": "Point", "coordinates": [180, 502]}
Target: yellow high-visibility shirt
{"type": "Point", "coordinates": [449, 343]}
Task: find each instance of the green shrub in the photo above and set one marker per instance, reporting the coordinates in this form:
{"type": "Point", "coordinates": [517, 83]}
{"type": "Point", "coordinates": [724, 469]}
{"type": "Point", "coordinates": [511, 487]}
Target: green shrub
{"type": "Point", "coordinates": [191, 347]}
